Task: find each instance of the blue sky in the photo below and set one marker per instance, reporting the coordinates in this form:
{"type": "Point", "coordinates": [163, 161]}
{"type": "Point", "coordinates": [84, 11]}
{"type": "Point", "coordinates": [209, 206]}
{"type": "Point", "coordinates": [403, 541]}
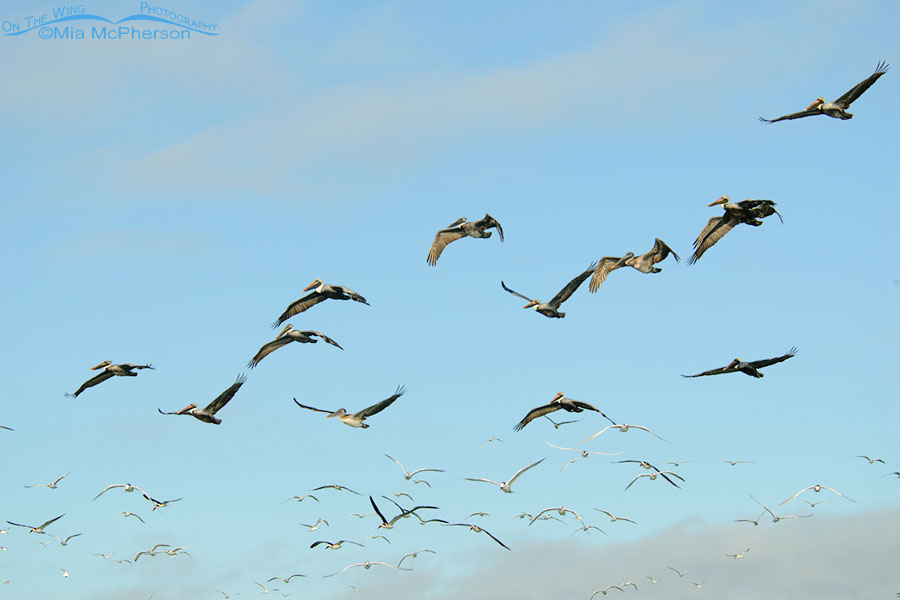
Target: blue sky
{"type": "Point", "coordinates": [165, 201]}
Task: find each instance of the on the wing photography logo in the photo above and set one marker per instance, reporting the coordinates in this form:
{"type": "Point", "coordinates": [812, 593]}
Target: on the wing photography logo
{"type": "Point", "coordinates": [76, 22]}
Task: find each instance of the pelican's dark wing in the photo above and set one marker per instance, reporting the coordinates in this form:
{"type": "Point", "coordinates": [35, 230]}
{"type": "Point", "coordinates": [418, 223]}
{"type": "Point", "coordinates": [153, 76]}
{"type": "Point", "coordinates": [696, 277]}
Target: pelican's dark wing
{"type": "Point", "coordinates": [380, 406]}
{"type": "Point", "coordinates": [298, 306]}
{"type": "Point", "coordinates": [534, 413]}
{"type": "Point", "coordinates": [857, 90]}
{"type": "Point", "coordinates": [715, 230]}
{"type": "Point", "coordinates": [487, 222]}
{"type": "Point", "coordinates": [91, 382]}
{"type": "Point", "coordinates": [324, 337]}
{"type": "Point", "coordinates": [759, 364]}
{"type": "Point", "coordinates": [717, 371]}
{"type": "Point", "coordinates": [586, 406]}
{"type": "Point", "coordinates": [570, 288]}
{"type": "Point", "coordinates": [523, 297]}
{"type": "Point", "coordinates": [605, 266]}
{"type": "Point", "coordinates": [350, 294]}
{"type": "Point", "coordinates": [441, 239]}
{"type": "Point", "coordinates": [797, 115]}
{"type": "Point", "coordinates": [313, 408]}
{"type": "Point", "coordinates": [763, 209]}
{"type": "Point", "coordinates": [223, 398]}
{"type": "Point", "coordinates": [268, 349]}
{"type": "Point", "coordinates": [660, 251]}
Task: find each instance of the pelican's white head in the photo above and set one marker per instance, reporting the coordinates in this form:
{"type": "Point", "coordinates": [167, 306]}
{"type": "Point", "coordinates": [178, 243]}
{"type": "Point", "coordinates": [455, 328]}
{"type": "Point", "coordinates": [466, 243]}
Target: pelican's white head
{"type": "Point", "coordinates": [818, 103]}
{"type": "Point", "coordinates": [315, 284]}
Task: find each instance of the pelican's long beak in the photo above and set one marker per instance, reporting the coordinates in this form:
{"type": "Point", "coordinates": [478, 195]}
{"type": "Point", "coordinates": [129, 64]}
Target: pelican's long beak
{"type": "Point", "coordinates": [105, 363]}
{"type": "Point", "coordinates": [284, 331]}
{"type": "Point", "coordinates": [819, 101]}
{"type": "Point", "coordinates": [532, 303]}
{"type": "Point", "coordinates": [557, 397]}
{"type": "Point", "coordinates": [315, 283]}
{"type": "Point", "coordinates": [186, 408]}
{"type": "Point", "coordinates": [733, 363]}
{"type": "Point", "coordinates": [722, 200]}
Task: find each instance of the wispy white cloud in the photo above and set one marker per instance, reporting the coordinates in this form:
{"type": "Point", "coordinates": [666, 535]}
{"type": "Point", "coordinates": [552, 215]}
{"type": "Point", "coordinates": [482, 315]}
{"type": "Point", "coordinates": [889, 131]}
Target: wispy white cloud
{"type": "Point", "coordinates": [135, 244]}
{"type": "Point", "coordinates": [653, 72]}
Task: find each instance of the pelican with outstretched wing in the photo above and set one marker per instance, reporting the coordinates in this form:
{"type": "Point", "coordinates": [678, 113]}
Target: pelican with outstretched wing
{"type": "Point", "coordinates": [357, 419]}
{"type": "Point", "coordinates": [288, 335]}
{"type": "Point", "coordinates": [208, 414]}
{"type": "Point", "coordinates": [838, 108]}
{"type": "Point", "coordinates": [643, 263]}
{"type": "Point", "coordinates": [551, 309]}
{"type": "Point", "coordinates": [459, 229]}
{"type": "Point", "coordinates": [747, 367]}
{"type": "Point", "coordinates": [320, 292]}
{"type": "Point", "coordinates": [749, 212]}
{"type": "Point", "coordinates": [559, 402]}
{"type": "Point", "coordinates": [109, 370]}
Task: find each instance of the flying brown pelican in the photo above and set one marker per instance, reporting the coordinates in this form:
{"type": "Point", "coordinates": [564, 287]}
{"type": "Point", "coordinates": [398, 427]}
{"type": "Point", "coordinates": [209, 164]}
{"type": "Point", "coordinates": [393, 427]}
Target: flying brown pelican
{"type": "Point", "coordinates": [321, 292]}
{"type": "Point", "coordinates": [748, 368]}
{"type": "Point", "coordinates": [643, 263]}
{"type": "Point", "coordinates": [838, 108]}
{"type": "Point", "coordinates": [208, 414]}
{"type": "Point", "coordinates": [559, 402]}
{"type": "Point", "coordinates": [506, 486]}
{"type": "Point", "coordinates": [459, 229]}
{"type": "Point", "coordinates": [109, 370]}
{"type": "Point", "coordinates": [749, 212]}
{"type": "Point", "coordinates": [551, 309]}
{"type": "Point", "coordinates": [357, 419]}
{"type": "Point", "coordinates": [39, 528]}
{"type": "Point", "coordinates": [288, 335]}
